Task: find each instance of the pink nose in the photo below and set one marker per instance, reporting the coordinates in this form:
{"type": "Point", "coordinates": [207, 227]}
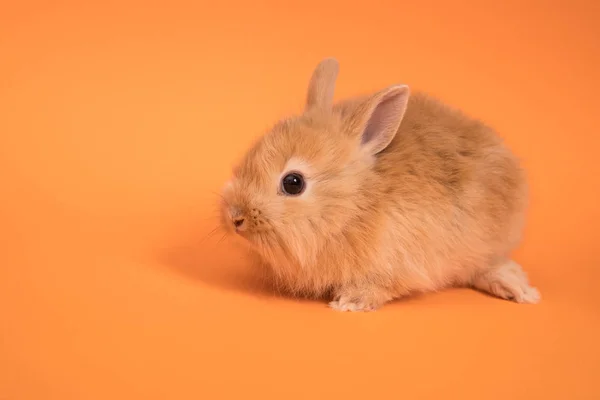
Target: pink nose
{"type": "Point", "coordinates": [238, 222]}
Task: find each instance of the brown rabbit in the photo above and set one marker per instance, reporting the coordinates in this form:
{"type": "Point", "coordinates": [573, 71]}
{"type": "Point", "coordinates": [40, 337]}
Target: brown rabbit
{"type": "Point", "coordinates": [379, 197]}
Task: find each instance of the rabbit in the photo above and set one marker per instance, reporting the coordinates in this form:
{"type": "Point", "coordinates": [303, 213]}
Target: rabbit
{"type": "Point", "coordinates": [379, 197]}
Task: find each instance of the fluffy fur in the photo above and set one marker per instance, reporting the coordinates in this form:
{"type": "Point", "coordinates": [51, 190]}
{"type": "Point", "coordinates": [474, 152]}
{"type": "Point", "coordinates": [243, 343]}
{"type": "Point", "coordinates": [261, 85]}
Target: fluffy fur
{"type": "Point", "coordinates": [404, 194]}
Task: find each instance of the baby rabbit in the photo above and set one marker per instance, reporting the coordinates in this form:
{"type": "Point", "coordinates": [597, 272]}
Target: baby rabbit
{"type": "Point", "coordinates": [378, 197]}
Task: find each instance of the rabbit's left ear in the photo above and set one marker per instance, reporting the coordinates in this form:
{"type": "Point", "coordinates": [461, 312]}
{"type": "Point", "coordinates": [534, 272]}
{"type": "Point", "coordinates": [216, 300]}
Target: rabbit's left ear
{"type": "Point", "coordinates": [322, 85]}
{"type": "Point", "coordinates": [376, 120]}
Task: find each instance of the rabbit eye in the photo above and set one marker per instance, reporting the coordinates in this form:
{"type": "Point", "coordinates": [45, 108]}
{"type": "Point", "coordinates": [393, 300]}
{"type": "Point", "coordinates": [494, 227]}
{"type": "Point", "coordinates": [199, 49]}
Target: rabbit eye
{"type": "Point", "coordinates": [292, 184]}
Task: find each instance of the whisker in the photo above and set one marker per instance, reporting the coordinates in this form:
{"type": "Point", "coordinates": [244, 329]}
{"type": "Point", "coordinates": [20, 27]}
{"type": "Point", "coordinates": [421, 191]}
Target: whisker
{"type": "Point", "coordinates": [221, 196]}
{"type": "Point", "coordinates": [210, 234]}
{"type": "Point", "coordinates": [222, 238]}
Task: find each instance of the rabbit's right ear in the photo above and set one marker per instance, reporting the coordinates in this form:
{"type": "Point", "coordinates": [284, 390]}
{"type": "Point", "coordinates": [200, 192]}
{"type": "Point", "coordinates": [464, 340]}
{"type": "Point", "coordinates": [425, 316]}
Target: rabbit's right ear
{"type": "Point", "coordinates": [322, 85]}
{"type": "Point", "coordinates": [376, 121]}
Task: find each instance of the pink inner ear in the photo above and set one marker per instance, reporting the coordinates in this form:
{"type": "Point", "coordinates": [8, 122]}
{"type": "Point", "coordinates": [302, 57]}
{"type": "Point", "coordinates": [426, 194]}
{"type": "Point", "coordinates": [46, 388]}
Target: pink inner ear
{"type": "Point", "coordinates": [384, 119]}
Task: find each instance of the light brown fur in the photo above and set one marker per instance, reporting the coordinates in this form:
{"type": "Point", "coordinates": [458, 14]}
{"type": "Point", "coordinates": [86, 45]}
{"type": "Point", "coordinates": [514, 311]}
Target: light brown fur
{"type": "Point", "coordinates": [404, 195]}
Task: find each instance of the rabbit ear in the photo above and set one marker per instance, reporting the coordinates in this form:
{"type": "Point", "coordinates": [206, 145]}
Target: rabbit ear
{"type": "Point", "coordinates": [322, 85]}
{"type": "Point", "coordinates": [377, 120]}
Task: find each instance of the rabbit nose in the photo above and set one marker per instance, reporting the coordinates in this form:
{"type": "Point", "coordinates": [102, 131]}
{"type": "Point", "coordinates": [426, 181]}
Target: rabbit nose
{"type": "Point", "coordinates": [238, 222]}
{"type": "Point", "coordinates": [238, 219]}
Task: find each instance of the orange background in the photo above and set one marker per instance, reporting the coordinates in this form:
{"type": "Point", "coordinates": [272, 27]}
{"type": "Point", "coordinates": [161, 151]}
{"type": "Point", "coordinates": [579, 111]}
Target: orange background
{"type": "Point", "coordinates": [119, 120]}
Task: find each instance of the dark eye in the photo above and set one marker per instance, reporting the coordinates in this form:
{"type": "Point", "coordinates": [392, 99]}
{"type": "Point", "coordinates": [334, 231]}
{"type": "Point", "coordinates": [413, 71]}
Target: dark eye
{"type": "Point", "coordinates": [292, 184]}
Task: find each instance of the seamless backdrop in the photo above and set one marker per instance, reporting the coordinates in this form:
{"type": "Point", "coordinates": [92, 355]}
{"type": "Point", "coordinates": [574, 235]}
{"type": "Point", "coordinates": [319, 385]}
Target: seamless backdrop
{"type": "Point", "coordinates": [119, 121]}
